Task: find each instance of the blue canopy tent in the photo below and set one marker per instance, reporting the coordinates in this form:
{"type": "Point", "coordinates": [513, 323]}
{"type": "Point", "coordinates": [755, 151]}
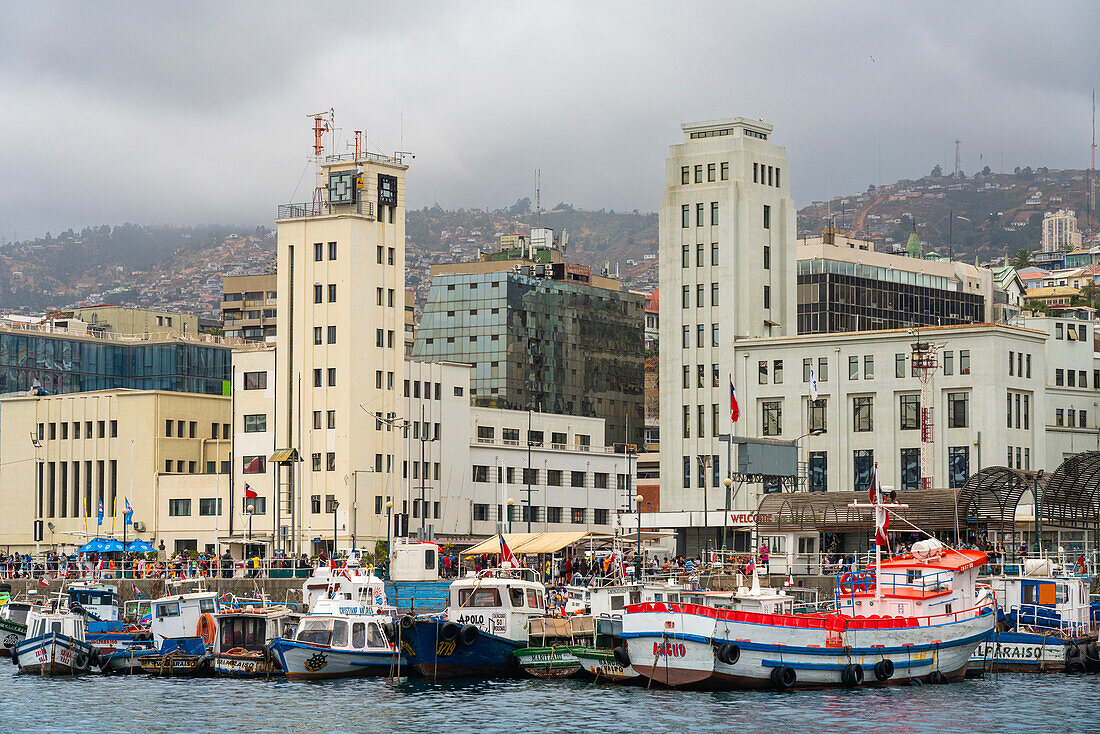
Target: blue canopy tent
{"type": "Point", "coordinates": [139, 546]}
{"type": "Point", "coordinates": [93, 546]}
{"type": "Point", "coordinates": [112, 545]}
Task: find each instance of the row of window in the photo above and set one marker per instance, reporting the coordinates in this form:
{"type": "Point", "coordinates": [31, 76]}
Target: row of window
{"type": "Point", "coordinates": [1075, 378]}
{"type": "Point", "coordinates": [382, 338]}
{"type": "Point", "coordinates": [1070, 418]}
{"type": "Point", "coordinates": [208, 507]}
{"type": "Point", "coordinates": [389, 252]}
{"type": "Point", "coordinates": [521, 513]}
{"type": "Point", "coordinates": [766, 175]}
{"type": "Point", "coordinates": [1019, 364]}
{"type": "Point", "coordinates": [700, 295]}
{"type": "Point", "coordinates": [700, 214]}
{"type": "Point", "coordinates": [1072, 332]}
{"type": "Point", "coordinates": [329, 460]}
{"type": "Point", "coordinates": [330, 373]}
{"type": "Point", "coordinates": [699, 254]}
{"type": "Point", "coordinates": [319, 251]}
{"type": "Point", "coordinates": [320, 338]}
{"type": "Point", "coordinates": [712, 169]}
{"type": "Point", "coordinates": [188, 429]}
{"type": "Point", "coordinates": [1023, 458]}
{"type": "Point", "coordinates": [1022, 401]}
{"type": "Point", "coordinates": [330, 420]}
{"type": "Point", "coordinates": [700, 335]}
{"type": "Point", "coordinates": [389, 296]}
{"type": "Point", "coordinates": [62, 428]}
{"type": "Point", "coordinates": [554, 477]}
{"type": "Point", "coordinates": [59, 488]}
{"type": "Point", "coordinates": [255, 380]}
{"type": "Point", "coordinates": [958, 468]}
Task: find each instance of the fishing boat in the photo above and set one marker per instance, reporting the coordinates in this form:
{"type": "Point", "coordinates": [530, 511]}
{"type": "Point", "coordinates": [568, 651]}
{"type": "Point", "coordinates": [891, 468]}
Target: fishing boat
{"type": "Point", "coordinates": [340, 638]}
{"type": "Point", "coordinates": [553, 646]}
{"type": "Point", "coordinates": [184, 629]}
{"type": "Point", "coordinates": [486, 620]}
{"type": "Point", "coordinates": [1044, 624]}
{"type": "Point", "coordinates": [13, 624]}
{"type": "Point", "coordinates": [241, 648]}
{"type": "Point", "coordinates": [119, 644]}
{"type": "Point", "coordinates": [54, 644]}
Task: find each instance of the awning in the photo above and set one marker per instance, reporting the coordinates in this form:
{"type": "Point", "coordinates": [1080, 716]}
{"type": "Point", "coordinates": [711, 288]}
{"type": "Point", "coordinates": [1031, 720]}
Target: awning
{"type": "Point", "coordinates": [532, 542]}
{"type": "Point", "coordinates": [284, 456]}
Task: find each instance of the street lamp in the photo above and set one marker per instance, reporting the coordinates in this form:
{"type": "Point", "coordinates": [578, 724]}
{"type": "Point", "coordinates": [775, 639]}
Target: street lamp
{"type": "Point", "coordinates": [511, 502]}
{"type": "Point", "coordinates": [638, 560]}
{"type": "Point", "coordinates": [727, 482]}
{"type": "Point", "coordinates": [36, 441]}
{"type": "Point", "coordinates": [335, 506]}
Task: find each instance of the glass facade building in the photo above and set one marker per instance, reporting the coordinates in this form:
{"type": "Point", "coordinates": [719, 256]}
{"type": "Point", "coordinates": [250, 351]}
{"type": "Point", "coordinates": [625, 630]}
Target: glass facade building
{"type": "Point", "coordinates": [67, 364]}
{"type": "Point", "coordinates": [556, 346]}
{"type": "Point", "coordinates": [836, 296]}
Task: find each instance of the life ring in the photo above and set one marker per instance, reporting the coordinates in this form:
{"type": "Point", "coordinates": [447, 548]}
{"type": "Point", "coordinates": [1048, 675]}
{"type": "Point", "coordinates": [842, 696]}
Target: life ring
{"type": "Point", "coordinates": [207, 628]}
{"type": "Point", "coordinates": [847, 583]}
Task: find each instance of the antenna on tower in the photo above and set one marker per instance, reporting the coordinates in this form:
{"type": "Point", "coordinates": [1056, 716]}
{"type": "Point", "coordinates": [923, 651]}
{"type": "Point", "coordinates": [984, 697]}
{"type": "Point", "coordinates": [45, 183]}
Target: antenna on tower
{"type": "Point", "coordinates": [958, 158]}
{"type": "Point", "coordinates": [538, 197]}
{"type": "Point", "coordinates": [1092, 171]}
{"type": "Point", "coordinates": [323, 122]}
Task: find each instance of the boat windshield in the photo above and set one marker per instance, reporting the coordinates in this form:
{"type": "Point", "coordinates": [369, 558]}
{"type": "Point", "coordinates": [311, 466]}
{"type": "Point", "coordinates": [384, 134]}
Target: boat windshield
{"type": "Point", "coordinates": [478, 598]}
{"type": "Point", "coordinates": [327, 631]}
{"type": "Point", "coordinates": [246, 632]}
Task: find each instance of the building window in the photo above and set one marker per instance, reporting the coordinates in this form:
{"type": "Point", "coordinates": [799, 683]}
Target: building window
{"type": "Point", "coordinates": [964, 361]}
{"type": "Point", "coordinates": [772, 417]}
{"type": "Point", "coordinates": [958, 465]}
{"type": "Point", "coordinates": [725, 170]}
{"type": "Point", "coordinates": [599, 516]}
{"type": "Point", "coordinates": [687, 336]}
{"type": "Point", "coordinates": [762, 372]}
{"type": "Point", "coordinates": [767, 217]}
{"type": "Point", "coordinates": [767, 297]}
{"type": "Point", "coordinates": [330, 461]}
{"type": "Point", "coordinates": [853, 368]}
{"type": "Point", "coordinates": [1059, 377]}
{"type": "Point", "coordinates": [252, 381]}
{"type": "Point", "coordinates": [253, 464]}
{"type": "Point", "coordinates": [710, 172]}
{"type": "Point", "coordinates": [685, 297]}
{"type": "Point", "coordinates": [910, 468]}
{"type": "Point", "coordinates": [687, 422]}
{"type": "Point", "coordinates": [332, 335]}
{"type": "Point", "coordinates": [1059, 417]}
{"type": "Point", "coordinates": [699, 255]}
{"type": "Point", "coordinates": [807, 365]}
{"type": "Point", "coordinates": [714, 213]}
{"type": "Point", "coordinates": [863, 461]}
{"type": "Point", "coordinates": [318, 293]}
{"type": "Point", "coordinates": [332, 251]}
{"type": "Point", "coordinates": [255, 423]}
{"type": "Point", "coordinates": [698, 174]}
{"type": "Point", "coordinates": [316, 459]}
{"type": "Point", "coordinates": [687, 472]}
{"type": "Point", "coordinates": [332, 377]}
{"type": "Point", "coordinates": [685, 216]}
{"type": "Point", "coordinates": [318, 255]}
{"type": "Point", "coordinates": [909, 412]}
{"type": "Point", "coordinates": [777, 370]}
{"type": "Point", "coordinates": [822, 369]}
{"type": "Point", "coordinates": [179, 508]}
{"type": "Point", "coordinates": [210, 506]}
{"type": "Point", "coordinates": [818, 471]}
{"type": "Point", "coordinates": [817, 411]}
{"type": "Point", "coordinates": [577, 478]}
{"type": "Point", "coordinates": [868, 366]}
{"type": "Point", "coordinates": [767, 258]}
{"type": "Point", "coordinates": [949, 363]}
{"type": "Point", "coordinates": [1012, 364]}
{"type": "Point", "coordinates": [331, 292]}
{"type": "Point", "coordinates": [714, 335]}
{"type": "Point", "coordinates": [862, 414]}
{"type": "Point", "coordinates": [685, 175]}
{"type": "Point", "coordinates": [958, 409]}
{"type": "Point", "coordinates": [713, 253]}
{"type": "Point", "coordinates": [899, 365]}
{"type": "Point", "coordinates": [713, 294]}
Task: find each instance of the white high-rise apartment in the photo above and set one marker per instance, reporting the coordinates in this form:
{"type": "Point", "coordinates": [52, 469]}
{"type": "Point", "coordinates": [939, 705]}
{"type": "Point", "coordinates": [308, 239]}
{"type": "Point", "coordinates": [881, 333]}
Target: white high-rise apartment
{"type": "Point", "coordinates": [727, 273]}
{"type": "Point", "coordinates": [1060, 231]}
{"type": "Point", "coordinates": [341, 281]}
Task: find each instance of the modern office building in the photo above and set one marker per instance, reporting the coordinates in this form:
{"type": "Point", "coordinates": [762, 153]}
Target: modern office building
{"type": "Point", "coordinates": [248, 307]}
{"type": "Point", "coordinates": [1060, 231]}
{"type": "Point", "coordinates": [727, 274]}
{"type": "Point", "coordinates": [844, 288]}
{"type": "Point", "coordinates": [340, 332]}
{"type": "Point", "coordinates": [548, 342]}
{"type": "Point", "coordinates": [66, 363]}
{"type": "Point", "coordinates": [167, 452]}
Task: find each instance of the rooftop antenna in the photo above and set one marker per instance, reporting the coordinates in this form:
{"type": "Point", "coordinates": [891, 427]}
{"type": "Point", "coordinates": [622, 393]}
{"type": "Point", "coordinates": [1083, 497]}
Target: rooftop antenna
{"type": "Point", "coordinates": [322, 122]}
{"type": "Point", "coordinates": [958, 158]}
{"type": "Point", "coordinates": [538, 197]}
{"type": "Point", "coordinates": [1091, 198]}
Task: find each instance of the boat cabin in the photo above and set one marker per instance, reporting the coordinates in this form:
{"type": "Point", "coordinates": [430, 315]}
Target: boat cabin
{"type": "Point", "coordinates": [412, 560]}
{"type": "Point", "coordinates": [350, 584]}
{"type": "Point", "coordinates": [347, 632]}
{"type": "Point", "coordinates": [178, 615]}
{"type": "Point", "coordinates": [41, 623]}
{"type": "Point", "coordinates": [1050, 602]}
{"type": "Point", "coordinates": [17, 611]}
{"type": "Point", "coordinates": [99, 601]}
{"type": "Point", "coordinates": [932, 580]}
{"type": "Point", "coordinates": [252, 628]}
{"type": "Point", "coordinates": [498, 602]}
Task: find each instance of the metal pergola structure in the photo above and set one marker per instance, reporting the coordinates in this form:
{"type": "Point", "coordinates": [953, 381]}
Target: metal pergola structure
{"type": "Point", "coordinates": [1071, 497]}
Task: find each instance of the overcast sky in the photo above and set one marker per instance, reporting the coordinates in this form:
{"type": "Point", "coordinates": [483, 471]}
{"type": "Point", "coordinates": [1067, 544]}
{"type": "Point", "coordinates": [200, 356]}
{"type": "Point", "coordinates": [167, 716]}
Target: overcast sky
{"type": "Point", "coordinates": [196, 112]}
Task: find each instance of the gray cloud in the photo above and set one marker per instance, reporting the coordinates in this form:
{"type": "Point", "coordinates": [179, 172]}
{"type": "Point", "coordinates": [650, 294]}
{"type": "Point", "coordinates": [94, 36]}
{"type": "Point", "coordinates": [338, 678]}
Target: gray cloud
{"type": "Point", "coordinates": [196, 112]}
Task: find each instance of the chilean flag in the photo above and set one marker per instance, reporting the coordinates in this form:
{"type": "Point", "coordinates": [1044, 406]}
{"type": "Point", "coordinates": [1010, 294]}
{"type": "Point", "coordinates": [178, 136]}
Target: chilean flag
{"type": "Point", "coordinates": [882, 516]}
{"type": "Point", "coordinates": [735, 411]}
{"type": "Point", "coordinates": [507, 558]}
{"type": "Point", "coordinates": [249, 493]}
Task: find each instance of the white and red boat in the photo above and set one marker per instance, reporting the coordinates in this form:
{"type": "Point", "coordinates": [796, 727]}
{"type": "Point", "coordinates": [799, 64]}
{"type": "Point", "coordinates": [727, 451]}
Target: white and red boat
{"type": "Point", "coordinates": [916, 617]}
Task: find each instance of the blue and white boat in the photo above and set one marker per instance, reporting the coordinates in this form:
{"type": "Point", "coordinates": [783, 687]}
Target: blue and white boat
{"type": "Point", "coordinates": [340, 639]}
{"type": "Point", "coordinates": [55, 645]}
{"type": "Point", "coordinates": [1044, 624]}
{"type": "Point", "coordinates": [486, 621]}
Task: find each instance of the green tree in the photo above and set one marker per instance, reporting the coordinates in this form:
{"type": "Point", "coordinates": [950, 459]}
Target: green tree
{"type": "Point", "coordinates": [937, 170]}
{"type": "Point", "coordinates": [1022, 259]}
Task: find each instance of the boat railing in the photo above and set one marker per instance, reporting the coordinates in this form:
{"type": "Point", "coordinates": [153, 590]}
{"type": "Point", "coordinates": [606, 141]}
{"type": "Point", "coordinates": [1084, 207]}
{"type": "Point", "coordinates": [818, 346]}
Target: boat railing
{"type": "Point", "coordinates": [1073, 619]}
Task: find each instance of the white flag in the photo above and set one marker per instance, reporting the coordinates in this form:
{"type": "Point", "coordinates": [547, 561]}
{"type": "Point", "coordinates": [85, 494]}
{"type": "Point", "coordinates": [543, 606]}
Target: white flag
{"type": "Point", "coordinates": [813, 384]}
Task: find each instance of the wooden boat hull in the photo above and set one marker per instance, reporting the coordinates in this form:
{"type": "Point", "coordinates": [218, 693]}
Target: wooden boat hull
{"type": "Point", "coordinates": [1030, 652]}
{"type": "Point", "coordinates": [601, 664]}
{"type": "Point", "coordinates": [173, 665]}
{"type": "Point", "coordinates": [256, 665]}
{"type": "Point", "coordinates": [549, 662]}
{"type": "Point", "coordinates": [11, 634]}
{"type": "Point", "coordinates": [125, 661]}
{"type": "Point", "coordinates": [53, 654]}
{"type": "Point", "coordinates": [304, 661]}
{"type": "Point", "coordinates": [490, 656]}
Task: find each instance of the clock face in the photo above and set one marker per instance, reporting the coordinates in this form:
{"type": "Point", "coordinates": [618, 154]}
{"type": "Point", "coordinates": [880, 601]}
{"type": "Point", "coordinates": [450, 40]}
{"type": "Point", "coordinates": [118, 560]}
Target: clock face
{"type": "Point", "coordinates": [341, 187]}
{"type": "Point", "coordinates": [387, 190]}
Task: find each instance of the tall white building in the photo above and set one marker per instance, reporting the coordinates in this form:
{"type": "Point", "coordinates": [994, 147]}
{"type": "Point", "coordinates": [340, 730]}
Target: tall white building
{"type": "Point", "coordinates": [727, 274]}
{"type": "Point", "coordinates": [341, 280]}
{"type": "Point", "coordinates": [1060, 231]}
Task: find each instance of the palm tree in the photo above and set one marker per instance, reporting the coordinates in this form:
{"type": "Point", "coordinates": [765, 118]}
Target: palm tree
{"type": "Point", "coordinates": [1022, 258]}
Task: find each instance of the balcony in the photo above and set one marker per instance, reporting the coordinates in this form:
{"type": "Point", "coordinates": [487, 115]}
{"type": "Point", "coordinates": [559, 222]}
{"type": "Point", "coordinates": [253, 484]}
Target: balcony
{"type": "Point", "coordinates": [309, 209]}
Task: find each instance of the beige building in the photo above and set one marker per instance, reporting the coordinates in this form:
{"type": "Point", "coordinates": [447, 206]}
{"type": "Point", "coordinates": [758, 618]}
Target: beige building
{"type": "Point", "coordinates": [341, 327]}
{"type": "Point", "coordinates": [124, 320]}
{"type": "Point", "coordinates": [1060, 231]}
{"type": "Point", "coordinates": [248, 307]}
{"type": "Point", "coordinates": [168, 452]}
{"type": "Point", "coordinates": [253, 445]}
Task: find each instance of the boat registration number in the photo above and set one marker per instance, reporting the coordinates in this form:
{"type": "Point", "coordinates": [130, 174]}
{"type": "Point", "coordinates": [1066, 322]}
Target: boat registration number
{"type": "Point", "coordinates": [669, 649]}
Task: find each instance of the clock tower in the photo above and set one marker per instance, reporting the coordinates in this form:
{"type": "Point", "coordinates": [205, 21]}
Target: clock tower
{"type": "Point", "coordinates": [339, 357]}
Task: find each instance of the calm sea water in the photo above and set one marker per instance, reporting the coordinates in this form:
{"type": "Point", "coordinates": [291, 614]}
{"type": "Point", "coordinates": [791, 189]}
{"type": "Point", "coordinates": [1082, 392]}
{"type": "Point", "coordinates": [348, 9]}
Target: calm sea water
{"type": "Point", "coordinates": [93, 704]}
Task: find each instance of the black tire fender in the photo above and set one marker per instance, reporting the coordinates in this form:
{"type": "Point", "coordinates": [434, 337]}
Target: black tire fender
{"type": "Point", "coordinates": [621, 655]}
{"type": "Point", "coordinates": [468, 634]}
{"type": "Point", "coordinates": [937, 677]}
{"type": "Point", "coordinates": [884, 669]}
{"type": "Point", "coordinates": [784, 677]}
{"type": "Point", "coordinates": [408, 622]}
{"type": "Point", "coordinates": [852, 675]}
{"type": "Point", "coordinates": [448, 631]}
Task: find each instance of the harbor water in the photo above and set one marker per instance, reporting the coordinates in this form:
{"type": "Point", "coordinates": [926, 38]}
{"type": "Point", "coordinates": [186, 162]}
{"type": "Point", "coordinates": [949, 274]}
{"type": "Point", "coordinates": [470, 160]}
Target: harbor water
{"type": "Point", "coordinates": [1005, 703]}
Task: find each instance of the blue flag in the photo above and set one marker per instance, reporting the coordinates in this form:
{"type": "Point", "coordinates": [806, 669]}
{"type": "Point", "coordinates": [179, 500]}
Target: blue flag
{"type": "Point", "coordinates": [129, 514]}
{"type": "Point", "coordinates": [100, 522]}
